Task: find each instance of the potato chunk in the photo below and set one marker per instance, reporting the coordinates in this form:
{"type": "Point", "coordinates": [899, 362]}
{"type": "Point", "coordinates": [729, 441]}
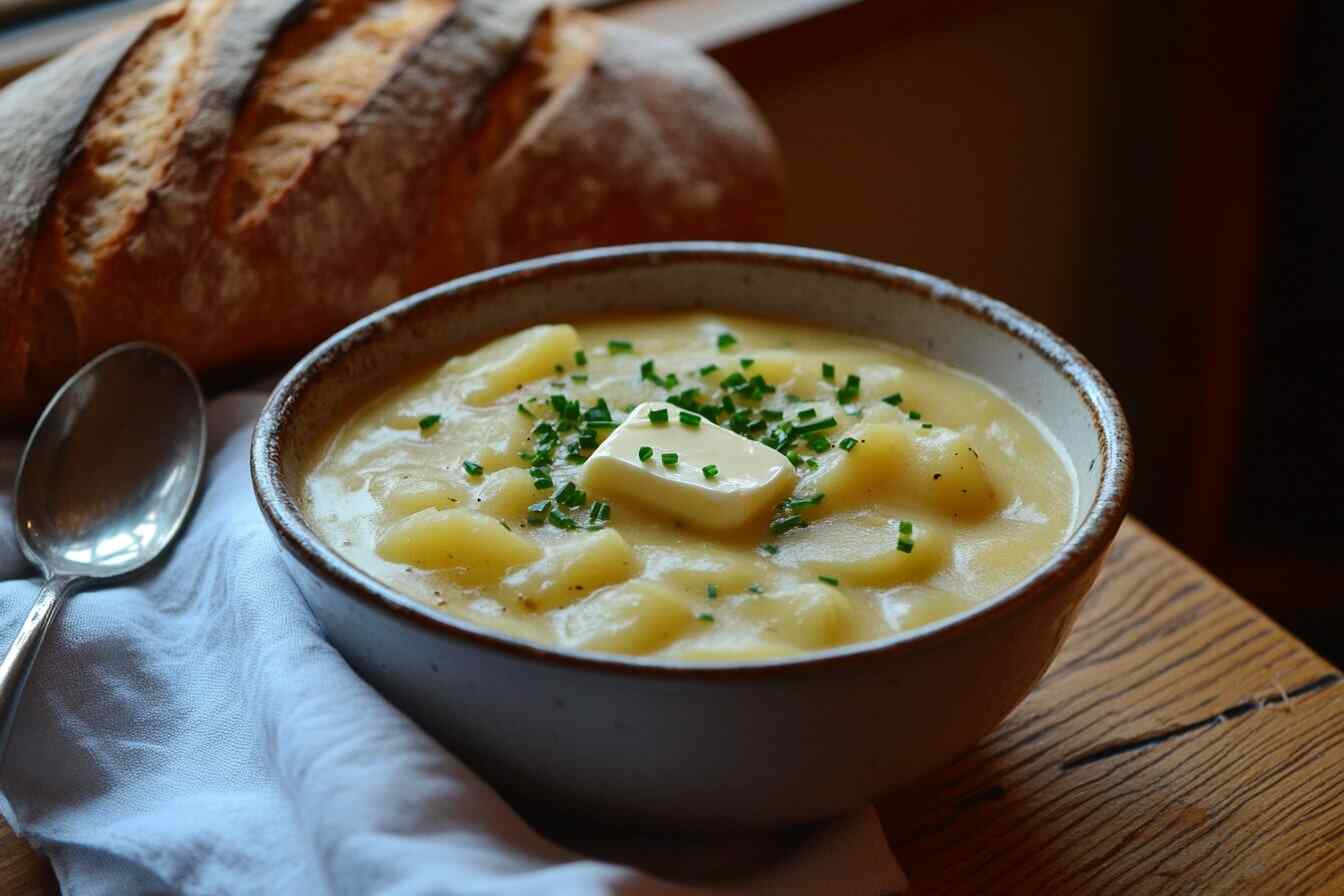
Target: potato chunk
{"type": "Point", "coordinates": [506, 494]}
{"type": "Point", "coordinates": [472, 548]}
{"type": "Point", "coordinates": [407, 490]}
{"type": "Point", "coordinates": [864, 549]}
{"type": "Point", "coordinates": [934, 469]}
{"type": "Point", "coordinates": [635, 617]}
{"type": "Point", "coordinates": [812, 616]}
{"type": "Point", "coordinates": [573, 569]}
{"type": "Point", "coordinates": [505, 364]}
{"type": "Point", "coordinates": [693, 569]}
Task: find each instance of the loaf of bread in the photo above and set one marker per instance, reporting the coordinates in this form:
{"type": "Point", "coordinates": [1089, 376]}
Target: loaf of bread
{"type": "Point", "coordinates": [236, 179]}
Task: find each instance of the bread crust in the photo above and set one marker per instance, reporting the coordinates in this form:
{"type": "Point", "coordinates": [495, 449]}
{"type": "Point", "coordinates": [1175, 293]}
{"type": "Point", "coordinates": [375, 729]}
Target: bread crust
{"type": "Point", "coordinates": [238, 178]}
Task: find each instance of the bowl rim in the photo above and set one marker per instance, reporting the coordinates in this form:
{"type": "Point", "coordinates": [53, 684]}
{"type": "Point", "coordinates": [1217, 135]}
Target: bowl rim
{"type": "Point", "coordinates": [1088, 542]}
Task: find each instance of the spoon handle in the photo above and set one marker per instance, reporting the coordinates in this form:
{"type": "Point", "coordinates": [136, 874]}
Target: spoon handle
{"type": "Point", "coordinates": [19, 661]}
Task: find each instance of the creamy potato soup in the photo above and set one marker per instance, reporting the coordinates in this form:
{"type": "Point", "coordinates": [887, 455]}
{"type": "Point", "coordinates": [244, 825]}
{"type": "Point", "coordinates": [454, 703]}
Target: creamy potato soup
{"type": "Point", "coordinates": [696, 487]}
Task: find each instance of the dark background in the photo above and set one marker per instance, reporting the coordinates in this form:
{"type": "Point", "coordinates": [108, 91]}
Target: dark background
{"type": "Point", "coordinates": [1156, 181]}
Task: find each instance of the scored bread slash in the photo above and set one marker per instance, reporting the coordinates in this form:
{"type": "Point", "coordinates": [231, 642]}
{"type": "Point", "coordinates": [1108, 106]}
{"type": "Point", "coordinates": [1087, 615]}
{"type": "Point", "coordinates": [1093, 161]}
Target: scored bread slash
{"type": "Point", "coordinates": [748, 477]}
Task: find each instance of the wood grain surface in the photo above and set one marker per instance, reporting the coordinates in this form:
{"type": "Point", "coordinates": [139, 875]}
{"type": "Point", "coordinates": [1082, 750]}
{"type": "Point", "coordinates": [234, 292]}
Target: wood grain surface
{"type": "Point", "coordinates": [1180, 743]}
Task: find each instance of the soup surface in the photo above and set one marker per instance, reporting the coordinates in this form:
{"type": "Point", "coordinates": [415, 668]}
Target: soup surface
{"type": "Point", "coordinates": [698, 487]}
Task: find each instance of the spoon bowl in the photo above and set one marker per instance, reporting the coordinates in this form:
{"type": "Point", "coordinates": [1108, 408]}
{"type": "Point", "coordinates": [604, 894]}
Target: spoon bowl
{"type": "Point", "coordinates": [105, 484]}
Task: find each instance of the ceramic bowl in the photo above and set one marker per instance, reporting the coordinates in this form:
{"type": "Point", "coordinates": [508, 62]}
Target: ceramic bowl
{"type": "Point", "coordinates": [651, 743]}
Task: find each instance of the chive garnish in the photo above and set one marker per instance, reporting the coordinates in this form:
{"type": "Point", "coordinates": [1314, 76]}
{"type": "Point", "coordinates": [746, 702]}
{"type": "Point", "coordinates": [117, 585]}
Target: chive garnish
{"type": "Point", "coordinates": [579, 377]}
{"type": "Point", "coordinates": [733, 380]}
{"type": "Point", "coordinates": [580, 358]}
{"type": "Point", "coordinates": [710, 471]}
{"type": "Point", "coordinates": [541, 479]}
{"type": "Point", "coordinates": [906, 527]}
{"type": "Point", "coordinates": [560, 521]}
{"type": "Point", "coordinates": [829, 580]}
{"type": "Point", "coordinates": [818, 443]}
{"type": "Point", "coordinates": [536, 513]}
{"type": "Point", "coordinates": [772, 415]}
{"type": "Point", "coordinates": [847, 443]}
{"type": "Point", "coordinates": [894, 399]}
{"type": "Point", "coordinates": [708, 369]}
{"type": "Point", "coordinates": [784, 524]}
{"type": "Point", "coordinates": [771, 549]}
{"type": "Point", "coordinates": [619, 346]}
{"type": "Point", "coordinates": [727, 340]}
{"type": "Point", "coordinates": [599, 512]}
{"type": "Point", "coordinates": [669, 458]}
{"type": "Point", "coordinates": [926, 426]}
{"type": "Point", "coordinates": [473, 469]}
{"type": "Point", "coordinates": [688, 419]}
{"type": "Point", "coordinates": [807, 414]}
{"type": "Point", "coordinates": [711, 591]}
{"type": "Point", "coordinates": [815, 426]}
{"type": "Point", "coordinates": [795, 458]}
{"type": "Point", "coordinates": [706, 617]}
{"type": "Point", "coordinates": [645, 453]}
{"type": "Point", "coordinates": [799, 503]}
{"type": "Point", "coordinates": [429, 422]}
{"type": "Point", "coordinates": [747, 362]}
{"type": "Point", "coordinates": [850, 391]}
{"type": "Point", "coordinates": [916, 415]}
{"type": "Point", "coordinates": [755, 589]}
{"type": "Point", "coordinates": [658, 415]}
{"type": "Point", "coordinates": [525, 412]}
{"type": "Point", "coordinates": [905, 545]}
{"type": "Point", "coordinates": [827, 371]}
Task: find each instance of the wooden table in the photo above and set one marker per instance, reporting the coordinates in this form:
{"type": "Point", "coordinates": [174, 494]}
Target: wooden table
{"type": "Point", "coordinates": [1181, 742]}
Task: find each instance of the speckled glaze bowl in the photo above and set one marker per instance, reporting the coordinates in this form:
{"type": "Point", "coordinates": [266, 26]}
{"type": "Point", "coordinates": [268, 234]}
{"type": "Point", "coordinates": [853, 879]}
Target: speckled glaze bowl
{"type": "Point", "coordinates": [650, 743]}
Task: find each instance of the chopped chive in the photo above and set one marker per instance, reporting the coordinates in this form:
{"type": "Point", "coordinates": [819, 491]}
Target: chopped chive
{"type": "Point", "coordinates": [795, 458]}
{"type": "Point", "coordinates": [894, 399]}
{"type": "Point", "coordinates": [430, 421]}
{"type": "Point", "coordinates": [733, 380]}
{"type": "Point", "coordinates": [645, 453]}
{"type": "Point", "coordinates": [536, 513]}
{"type": "Point", "coordinates": [669, 458]}
{"type": "Point", "coordinates": [670, 381]}
{"type": "Point", "coordinates": [599, 512]}
{"type": "Point", "coordinates": [688, 419]}
{"type": "Point", "coordinates": [907, 527]}
{"type": "Point", "coordinates": [771, 549]}
{"type": "Point", "coordinates": [847, 443]}
{"type": "Point", "coordinates": [772, 415]}
{"type": "Point", "coordinates": [711, 591]}
{"type": "Point", "coordinates": [646, 372]}
{"type": "Point", "coordinates": [827, 371]}
{"type": "Point", "coordinates": [818, 443]}
{"type": "Point", "coordinates": [710, 471]}
{"type": "Point", "coordinates": [849, 391]}
{"type": "Point", "coordinates": [829, 580]}
{"type": "Point", "coordinates": [747, 362]}
{"type": "Point", "coordinates": [473, 469]}
{"type": "Point", "coordinates": [708, 369]}
{"type": "Point", "coordinates": [784, 524]}
{"type": "Point", "coordinates": [559, 403]}
{"type": "Point", "coordinates": [562, 497]}
{"type": "Point", "coordinates": [798, 503]}
{"type": "Point", "coordinates": [579, 377]}
{"type": "Point", "coordinates": [658, 415]}
{"type": "Point", "coordinates": [755, 589]}
{"type": "Point", "coordinates": [926, 426]}
{"type": "Point", "coordinates": [812, 464]}
{"type": "Point", "coordinates": [727, 340]}
{"type": "Point", "coordinates": [793, 399]}
{"type": "Point", "coordinates": [525, 412]}
{"type": "Point", "coordinates": [506, 525]}
{"type": "Point", "coordinates": [905, 545]}
{"type": "Point", "coordinates": [560, 521]}
{"type": "Point", "coordinates": [619, 346]}
{"type": "Point", "coordinates": [916, 415]}
{"type": "Point", "coordinates": [541, 479]}
{"type": "Point", "coordinates": [815, 426]}
{"type": "Point", "coordinates": [580, 358]}
{"type": "Point", "coordinates": [807, 414]}
{"type": "Point", "coordinates": [706, 617]}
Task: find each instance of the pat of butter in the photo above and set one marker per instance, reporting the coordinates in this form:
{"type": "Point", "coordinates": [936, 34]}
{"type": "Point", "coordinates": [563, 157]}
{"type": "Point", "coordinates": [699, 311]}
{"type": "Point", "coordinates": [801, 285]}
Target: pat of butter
{"type": "Point", "coordinates": [750, 477]}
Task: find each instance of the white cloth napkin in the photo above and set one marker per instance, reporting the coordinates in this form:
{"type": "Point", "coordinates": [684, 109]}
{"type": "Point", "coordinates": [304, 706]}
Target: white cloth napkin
{"type": "Point", "coordinates": [192, 732]}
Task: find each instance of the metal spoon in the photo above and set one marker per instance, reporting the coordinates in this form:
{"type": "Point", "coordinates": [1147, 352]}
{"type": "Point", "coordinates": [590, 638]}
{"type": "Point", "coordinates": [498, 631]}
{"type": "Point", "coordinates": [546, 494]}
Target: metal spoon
{"type": "Point", "coordinates": [104, 485]}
